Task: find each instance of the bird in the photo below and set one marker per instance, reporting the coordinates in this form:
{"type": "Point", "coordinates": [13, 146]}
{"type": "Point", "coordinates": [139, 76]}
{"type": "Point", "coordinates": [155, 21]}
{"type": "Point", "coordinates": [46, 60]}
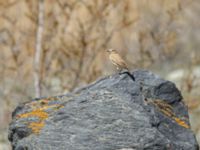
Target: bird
{"type": "Point", "coordinates": [119, 62]}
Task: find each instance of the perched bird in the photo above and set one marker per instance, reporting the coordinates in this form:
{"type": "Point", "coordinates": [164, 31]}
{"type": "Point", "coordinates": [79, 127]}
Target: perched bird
{"type": "Point", "coordinates": [118, 61]}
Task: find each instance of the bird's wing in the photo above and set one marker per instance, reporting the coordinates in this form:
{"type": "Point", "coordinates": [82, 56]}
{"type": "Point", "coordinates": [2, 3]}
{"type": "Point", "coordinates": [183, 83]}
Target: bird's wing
{"type": "Point", "coordinates": [117, 59]}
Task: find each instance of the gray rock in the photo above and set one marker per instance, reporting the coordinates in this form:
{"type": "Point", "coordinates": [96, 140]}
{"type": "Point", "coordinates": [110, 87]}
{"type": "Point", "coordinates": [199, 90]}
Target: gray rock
{"type": "Point", "coordinates": [113, 113]}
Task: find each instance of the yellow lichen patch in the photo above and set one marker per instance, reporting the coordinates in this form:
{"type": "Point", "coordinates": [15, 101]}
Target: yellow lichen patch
{"type": "Point", "coordinates": [167, 110]}
{"type": "Point", "coordinates": [36, 113]}
{"type": "Point", "coordinates": [181, 122]}
{"type": "Point", "coordinates": [36, 126]}
{"type": "Point", "coordinates": [41, 115]}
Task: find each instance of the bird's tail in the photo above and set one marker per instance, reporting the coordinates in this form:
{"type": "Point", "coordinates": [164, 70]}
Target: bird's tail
{"type": "Point", "coordinates": [130, 75]}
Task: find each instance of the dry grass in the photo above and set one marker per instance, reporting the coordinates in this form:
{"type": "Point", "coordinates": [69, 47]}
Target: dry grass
{"type": "Point", "coordinates": [162, 35]}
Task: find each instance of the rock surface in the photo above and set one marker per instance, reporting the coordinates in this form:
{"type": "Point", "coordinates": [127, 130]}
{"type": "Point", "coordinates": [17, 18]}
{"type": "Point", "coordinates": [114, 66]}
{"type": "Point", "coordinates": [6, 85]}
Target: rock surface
{"type": "Point", "coordinates": [113, 113]}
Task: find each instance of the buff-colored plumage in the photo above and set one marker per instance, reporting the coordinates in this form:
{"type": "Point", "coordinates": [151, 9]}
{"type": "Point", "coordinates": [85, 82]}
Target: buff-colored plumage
{"type": "Point", "coordinates": [117, 60]}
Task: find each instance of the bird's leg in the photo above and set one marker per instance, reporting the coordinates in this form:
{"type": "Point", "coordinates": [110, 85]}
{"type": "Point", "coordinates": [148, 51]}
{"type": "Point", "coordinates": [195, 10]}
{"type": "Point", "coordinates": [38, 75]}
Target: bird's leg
{"type": "Point", "coordinates": [119, 70]}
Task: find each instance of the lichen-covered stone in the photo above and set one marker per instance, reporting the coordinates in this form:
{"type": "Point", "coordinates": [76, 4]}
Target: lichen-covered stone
{"type": "Point", "coordinates": [113, 113]}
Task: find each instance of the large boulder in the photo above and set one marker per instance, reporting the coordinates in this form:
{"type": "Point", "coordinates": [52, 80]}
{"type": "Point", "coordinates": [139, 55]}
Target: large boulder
{"type": "Point", "coordinates": [113, 113]}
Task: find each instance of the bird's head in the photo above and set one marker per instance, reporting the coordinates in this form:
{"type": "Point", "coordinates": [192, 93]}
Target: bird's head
{"type": "Point", "coordinates": [111, 50]}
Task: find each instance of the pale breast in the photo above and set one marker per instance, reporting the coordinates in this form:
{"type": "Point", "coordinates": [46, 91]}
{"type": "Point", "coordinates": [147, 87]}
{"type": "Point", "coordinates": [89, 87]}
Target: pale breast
{"type": "Point", "coordinates": [117, 60]}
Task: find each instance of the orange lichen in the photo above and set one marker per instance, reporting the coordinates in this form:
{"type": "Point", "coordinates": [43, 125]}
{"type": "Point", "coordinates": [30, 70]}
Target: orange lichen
{"type": "Point", "coordinates": [167, 110]}
{"type": "Point", "coordinates": [35, 113]}
{"type": "Point", "coordinates": [181, 122]}
{"type": "Point", "coordinates": [40, 113]}
{"type": "Point", "coordinates": [36, 126]}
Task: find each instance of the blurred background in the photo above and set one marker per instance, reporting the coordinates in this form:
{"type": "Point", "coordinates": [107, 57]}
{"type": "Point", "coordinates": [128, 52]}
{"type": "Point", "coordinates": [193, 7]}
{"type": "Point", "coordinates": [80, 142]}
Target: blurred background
{"type": "Point", "coordinates": [50, 47]}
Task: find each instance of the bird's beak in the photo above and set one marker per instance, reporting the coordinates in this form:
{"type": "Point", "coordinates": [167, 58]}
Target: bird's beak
{"type": "Point", "coordinates": [109, 50]}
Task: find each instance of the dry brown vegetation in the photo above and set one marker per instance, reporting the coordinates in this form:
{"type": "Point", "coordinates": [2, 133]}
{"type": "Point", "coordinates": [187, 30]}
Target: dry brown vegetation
{"type": "Point", "coordinates": [51, 47]}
